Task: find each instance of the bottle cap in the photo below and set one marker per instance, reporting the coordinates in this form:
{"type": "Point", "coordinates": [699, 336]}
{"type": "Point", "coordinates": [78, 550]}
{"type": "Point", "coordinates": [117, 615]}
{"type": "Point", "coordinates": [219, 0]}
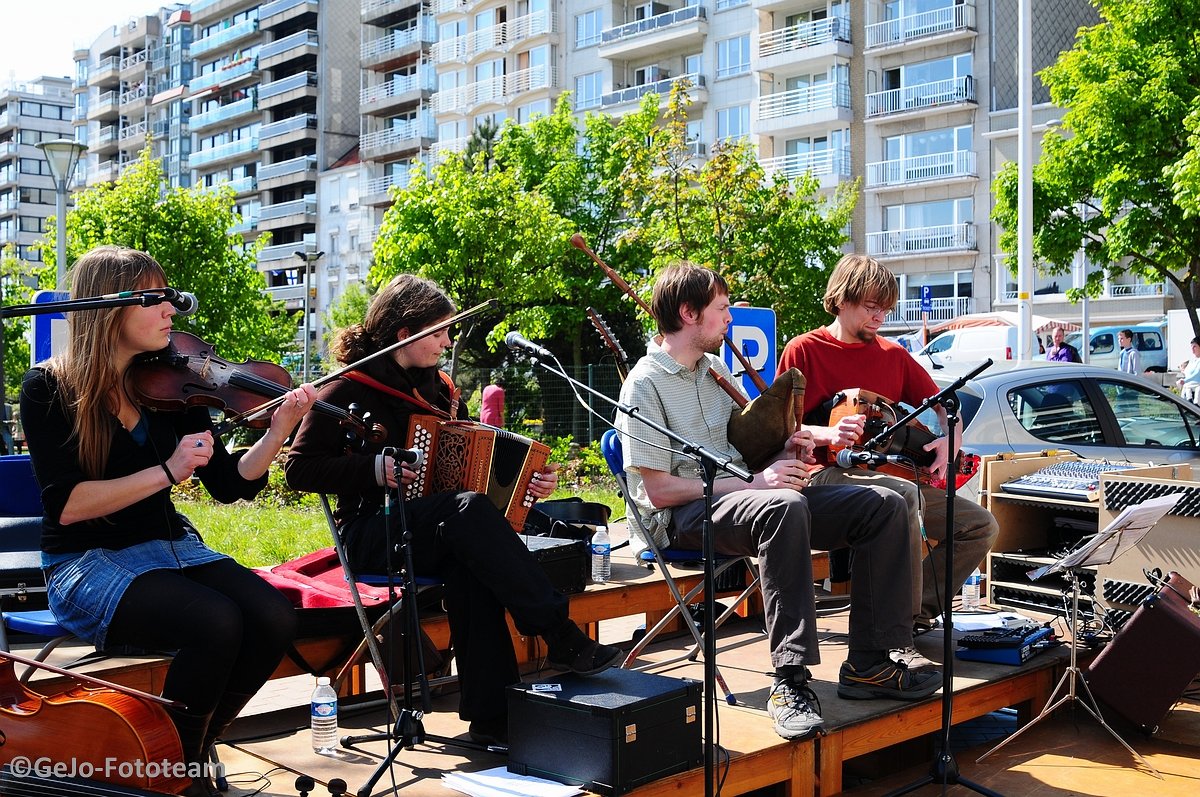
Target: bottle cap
{"type": "Point", "coordinates": [323, 680]}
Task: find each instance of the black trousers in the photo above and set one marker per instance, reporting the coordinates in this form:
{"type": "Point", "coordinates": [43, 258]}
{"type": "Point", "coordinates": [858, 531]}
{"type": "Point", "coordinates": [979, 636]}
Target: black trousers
{"type": "Point", "coordinates": [463, 539]}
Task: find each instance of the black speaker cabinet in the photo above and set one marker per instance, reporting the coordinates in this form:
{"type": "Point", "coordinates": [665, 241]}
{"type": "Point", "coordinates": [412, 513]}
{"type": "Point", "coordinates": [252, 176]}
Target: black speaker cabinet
{"type": "Point", "coordinates": [1150, 662]}
{"type": "Point", "coordinates": [608, 733]}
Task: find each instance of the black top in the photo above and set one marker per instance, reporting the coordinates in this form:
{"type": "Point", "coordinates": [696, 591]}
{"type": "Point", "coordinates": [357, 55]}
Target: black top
{"type": "Point", "coordinates": [55, 456]}
{"type": "Point", "coordinates": [322, 460]}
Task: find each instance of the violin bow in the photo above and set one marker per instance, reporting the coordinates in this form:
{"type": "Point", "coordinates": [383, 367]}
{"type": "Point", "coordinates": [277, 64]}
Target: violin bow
{"type": "Point", "coordinates": [424, 333]}
{"type": "Point", "coordinates": [89, 679]}
{"type": "Point", "coordinates": [735, 394]}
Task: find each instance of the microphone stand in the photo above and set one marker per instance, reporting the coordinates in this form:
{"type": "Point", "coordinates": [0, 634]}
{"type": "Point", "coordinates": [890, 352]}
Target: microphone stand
{"type": "Point", "coordinates": [710, 463]}
{"type": "Point", "coordinates": [944, 769]}
{"type": "Point", "coordinates": [94, 303]}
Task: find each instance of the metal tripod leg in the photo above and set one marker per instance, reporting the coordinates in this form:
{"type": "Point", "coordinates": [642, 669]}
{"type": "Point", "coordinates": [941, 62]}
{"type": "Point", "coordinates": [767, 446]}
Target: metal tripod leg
{"type": "Point", "coordinates": [1068, 680]}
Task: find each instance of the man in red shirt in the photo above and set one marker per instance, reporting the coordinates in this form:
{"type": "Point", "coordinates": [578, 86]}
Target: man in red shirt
{"type": "Point", "coordinates": [848, 353]}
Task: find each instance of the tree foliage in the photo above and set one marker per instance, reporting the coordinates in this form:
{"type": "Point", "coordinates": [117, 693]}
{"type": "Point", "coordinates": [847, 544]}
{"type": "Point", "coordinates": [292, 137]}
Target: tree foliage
{"type": "Point", "coordinates": [1122, 174]}
{"type": "Point", "coordinates": [188, 232]}
{"type": "Point", "coordinates": [16, 277]}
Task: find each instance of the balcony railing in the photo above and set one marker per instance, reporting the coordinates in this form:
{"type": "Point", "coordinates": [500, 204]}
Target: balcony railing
{"type": "Point", "coordinates": [421, 127]}
{"type": "Point", "coordinates": [917, 26]}
{"type": "Point", "coordinates": [307, 205]}
{"type": "Point", "coordinates": [804, 100]}
{"type": "Point", "coordinates": [654, 23]}
{"type": "Point", "coordinates": [134, 59]}
{"type": "Point", "coordinates": [922, 95]}
{"type": "Point", "coordinates": [224, 36]}
{"type": "Point", "coordinates": [661, 87]}
{"type": "Point", "coordinates": [299, 165]}
{"type": "Point", "coordinates": [939, 166]}
{"type": "Point", "coordinates": [297, 39]}
{"type": "Point", "coordinates": [279, 6]}
{"type": "Point", "coordinates": [818, 164]}
{"type": "Point", "coordinates": [446, 6]}
{"type": "Point", "coordinates": [424, 78]}
{"type": "Point", "coordinates": [908, 311]}
{"type": "Point", "coordinates": [226, 74]}
{"type": "Point", "coordinates": [133, 131]}
{"type": "Point", "coordinates": [803, 36]}
{"type": "Point", "coordinates": [384, 185]}
{"type": "Point", "coordinates": [103, 102]}
{"type": "Point", "coordinates": [226, 112]}
{"type": "Point", "coordinates": [424, 31]}
{"type": "Point", "coordinates": [103, 68]}
{"type": "Point", "coordinates": [918, 240]}
{"type": "Point", "coordinates": [290, 83]}
{"type": "Point", "coordinates": [107, 135]}
{"type": "Point", "coordinates": [134, 94]}
{"type": "Point", "coordinates": [230, 149]}
{"type": "Point", "coordinates": [289, 125]}
{"type": "Point", "coordinates": [494, 89]}
{"type": "Point", "coordinates": [497, 36]}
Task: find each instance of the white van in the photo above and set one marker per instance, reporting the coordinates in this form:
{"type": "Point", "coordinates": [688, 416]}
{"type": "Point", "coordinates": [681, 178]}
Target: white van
{"type": "Point", "coordinates": [969, 345]}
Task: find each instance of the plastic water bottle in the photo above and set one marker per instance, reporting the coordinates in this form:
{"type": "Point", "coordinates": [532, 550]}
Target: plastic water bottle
{"type": "Point", "coordinates": [323, 717]}
{"type": "Point", "coordinates": [970, 592]}
{"type": "Point", "coordinates": [601, 556]}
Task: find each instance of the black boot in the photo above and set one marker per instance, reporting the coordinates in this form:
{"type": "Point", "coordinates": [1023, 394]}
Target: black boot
{"type": "Point", "coordinates": [191, 729]}
{"type": "Point", "coordinates": [223, 715]}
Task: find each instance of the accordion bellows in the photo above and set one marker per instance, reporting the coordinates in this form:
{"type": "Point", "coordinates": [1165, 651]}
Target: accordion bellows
{"type": "Point", "coordinates": [464, 455]}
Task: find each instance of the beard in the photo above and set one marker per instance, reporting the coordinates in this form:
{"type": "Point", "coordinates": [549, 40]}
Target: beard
{"type": "Point", "coordinates": [866, 335]}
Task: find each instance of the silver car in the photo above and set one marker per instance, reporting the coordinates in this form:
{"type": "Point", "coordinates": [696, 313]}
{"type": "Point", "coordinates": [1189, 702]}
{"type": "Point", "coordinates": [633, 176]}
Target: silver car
{"type": "Point", "coordinates": [1098, 413]}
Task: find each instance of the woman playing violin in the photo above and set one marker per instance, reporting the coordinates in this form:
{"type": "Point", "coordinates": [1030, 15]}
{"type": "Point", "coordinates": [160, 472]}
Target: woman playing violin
{"type": "Point", "coordinates": [459, 536]}
{"type": "Point", "coordinates": [125, 568]}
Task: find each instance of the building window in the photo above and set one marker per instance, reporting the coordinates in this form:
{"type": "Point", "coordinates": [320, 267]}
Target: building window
{"type": "Point", "coordinates": [733, 56]}
{"type": "Point", "coordinates": [733, 122]}
{"type": "Point", "coordinates": [587, 91]}
{"type": "Point", "coordinates": [587, 28]}
{"type": "Point", "coordinates": [525, 113]}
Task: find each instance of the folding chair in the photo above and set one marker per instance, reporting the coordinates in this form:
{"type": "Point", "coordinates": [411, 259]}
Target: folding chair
{"type": "Point", "coordinates": [657, 557]}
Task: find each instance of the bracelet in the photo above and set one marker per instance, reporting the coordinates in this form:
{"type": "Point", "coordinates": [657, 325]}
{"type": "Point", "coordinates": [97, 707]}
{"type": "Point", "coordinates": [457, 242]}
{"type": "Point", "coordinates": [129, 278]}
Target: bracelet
{"type": "Point", "coordinates": [170, 476]}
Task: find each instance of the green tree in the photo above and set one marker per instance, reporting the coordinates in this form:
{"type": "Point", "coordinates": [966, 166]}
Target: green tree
{"type": "Point", "coordinates": [16, 278]}
{"type": "Point", "coordinates": [1125, 182]}
{"type": "Point", "coordinates": [188, 232]}
{"type": "Point", "coordinates": [349, 308]}
{"type": "Point", "coordinates": [772, 238]}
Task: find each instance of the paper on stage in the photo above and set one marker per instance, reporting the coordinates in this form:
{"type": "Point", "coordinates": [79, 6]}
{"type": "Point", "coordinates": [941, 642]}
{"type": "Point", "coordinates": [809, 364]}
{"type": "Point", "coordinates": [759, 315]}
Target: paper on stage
{"type": "Point", "coordinates": [499, 782]}
{"type": "Point", "coordinates": [1126, 531]}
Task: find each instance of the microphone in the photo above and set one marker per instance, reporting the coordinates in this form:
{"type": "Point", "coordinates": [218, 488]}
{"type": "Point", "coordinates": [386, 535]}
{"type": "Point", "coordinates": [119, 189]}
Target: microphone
{"type": "Point", "coordinates": [184, 303]}
{"type": "Point", "coordinates": [517, 342]}
{"type": "Point", "coordinates": [409, 456]}
{"type": "Point", "coordinates": [848, 459]}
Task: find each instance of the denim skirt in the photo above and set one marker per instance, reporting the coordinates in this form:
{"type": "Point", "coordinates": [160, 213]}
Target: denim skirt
{"type": "Point", "coordinates": [84, 591]}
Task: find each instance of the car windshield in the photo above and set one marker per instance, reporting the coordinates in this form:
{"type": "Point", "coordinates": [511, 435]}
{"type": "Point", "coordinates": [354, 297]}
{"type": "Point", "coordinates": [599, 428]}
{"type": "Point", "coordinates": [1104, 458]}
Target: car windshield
{"type": "Point", "coordinates": [1148, 418]}
{"type": "Point", "coordinates": [1057, 412]}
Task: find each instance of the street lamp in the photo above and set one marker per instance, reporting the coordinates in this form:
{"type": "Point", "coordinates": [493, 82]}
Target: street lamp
{"type": "Point", "coordinates": [61, 155]}
{"type": "Point", "coordinates": [309, 257]}
{"type": "Point", "coordinates": [1024, 180]}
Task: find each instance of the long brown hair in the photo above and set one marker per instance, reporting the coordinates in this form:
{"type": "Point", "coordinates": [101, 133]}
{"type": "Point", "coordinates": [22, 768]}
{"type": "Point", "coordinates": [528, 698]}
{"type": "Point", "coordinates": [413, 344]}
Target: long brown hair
{"type": "Point", "coordinates": [87, 376]}
{"type": "Point", "coordinates": [407, 302]}
{"type": "Point", "coordinates": [857, 279]}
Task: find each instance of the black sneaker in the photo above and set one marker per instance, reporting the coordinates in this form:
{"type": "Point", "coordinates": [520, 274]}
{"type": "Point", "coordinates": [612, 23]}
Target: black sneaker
{"type": "Point", "coordinates": [887, 679]}
{"type": "Point", "coordinates": [587, 658]}
{"type": "Point", "coordinates": [795, 709]}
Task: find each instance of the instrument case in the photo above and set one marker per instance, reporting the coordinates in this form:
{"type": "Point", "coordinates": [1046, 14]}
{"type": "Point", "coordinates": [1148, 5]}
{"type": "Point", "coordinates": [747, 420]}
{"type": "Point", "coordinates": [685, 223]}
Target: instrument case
{"type": "Point", "coordinates": [608, 733]}
{"type": "Point", "coordinates": [564, 561]}
{"type": "Point", "coordinates": [1148, 665]}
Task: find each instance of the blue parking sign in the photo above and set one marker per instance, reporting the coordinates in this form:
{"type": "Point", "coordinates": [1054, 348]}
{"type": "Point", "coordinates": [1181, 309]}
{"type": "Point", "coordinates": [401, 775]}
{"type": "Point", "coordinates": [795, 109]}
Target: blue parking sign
{"type": "Point", "coordinates": [49, 329]}
{"type": "Point", "coordinates": [926, 299]}
{"type": "Point", "coordinates": [753, 332]}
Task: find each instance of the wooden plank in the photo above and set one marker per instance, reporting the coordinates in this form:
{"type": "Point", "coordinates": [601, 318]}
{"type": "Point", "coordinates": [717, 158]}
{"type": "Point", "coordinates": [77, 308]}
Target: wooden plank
{"type": "Point", "coordinates": [788, 763]}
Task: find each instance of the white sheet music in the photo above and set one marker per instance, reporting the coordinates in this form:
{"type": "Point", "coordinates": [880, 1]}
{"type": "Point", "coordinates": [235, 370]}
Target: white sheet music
{"type": "Point", "coordinates": [499, 782]}
{"type": "Point", "coordinates": [1126, 530]}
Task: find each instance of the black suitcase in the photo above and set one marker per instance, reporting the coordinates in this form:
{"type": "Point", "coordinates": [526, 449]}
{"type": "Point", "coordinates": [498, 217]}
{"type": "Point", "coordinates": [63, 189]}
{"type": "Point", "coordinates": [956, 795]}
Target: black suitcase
{"type": "Point", "coordinates": [1148, 665]}
{"type": "Point", "coordinates": [608, 733]}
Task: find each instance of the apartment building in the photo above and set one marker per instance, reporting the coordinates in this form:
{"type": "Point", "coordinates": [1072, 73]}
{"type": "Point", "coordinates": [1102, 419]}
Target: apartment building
{"type": "Point", "coordinates": [30, 113]}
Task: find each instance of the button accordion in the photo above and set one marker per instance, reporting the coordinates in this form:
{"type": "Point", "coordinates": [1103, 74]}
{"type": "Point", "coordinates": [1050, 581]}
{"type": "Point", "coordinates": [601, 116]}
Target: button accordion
{"type": "Point", "coordinates": [464, 455]}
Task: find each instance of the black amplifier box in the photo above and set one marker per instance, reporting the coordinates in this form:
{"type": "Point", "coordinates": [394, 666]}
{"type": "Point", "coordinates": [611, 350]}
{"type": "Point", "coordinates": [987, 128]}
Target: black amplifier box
{"type": "Point", "coordinates": [565, 561]}
{"type": "Point", "coordinates": [608, 733]}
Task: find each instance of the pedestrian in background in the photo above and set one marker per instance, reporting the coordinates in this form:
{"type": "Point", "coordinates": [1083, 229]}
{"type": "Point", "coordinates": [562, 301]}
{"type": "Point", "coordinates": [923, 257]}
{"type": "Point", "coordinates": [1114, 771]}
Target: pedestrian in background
{"type": "Point", "coordinates": [1062, 351]}
{"type": "Point", "coordinates": [491, 410]}
{"type": "Point", "coordinates": [1131, 360]}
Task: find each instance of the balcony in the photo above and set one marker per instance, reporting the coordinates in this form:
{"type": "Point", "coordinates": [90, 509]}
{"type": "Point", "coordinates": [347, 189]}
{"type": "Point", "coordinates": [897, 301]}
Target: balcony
{"type": "Point", "coordinates": [498, 37]}
{"type": "Point", "coordinates": [392, 143]}
{"type": "Point", "coordinates": [135, 95]}
{"type": "Point", "coordinates": [288, 89]}
{"type": "Point", "coordinates": [106, 71]}
{"type": "Point", "coordinates": [288, 131]}
{"type": "Point", "coordinates": [812, 40]}
{"type": "Point", "coordinates": [288, 172]}
{"type": "Point", "coordinates": [135, 62]}
{"type": "Point", "coordinates": [908, 311]}
{"type": "Point", "coordinates": [106, 141]}
{"type": "Point", "coordinates": [274, 254]}
{"type": "Point", "coordinates": [941, 166]}
{"type": "Point", "coordinates": [104, 172]}
{"type": "Point", "coordinates": [385, 98]}
{"type": "Point", "coordinates": [786, 112]}
{"type": "Point", "coordinates": [399, 44]}
{"type": "Point", "coordinates": [225, 37]}
{"type": "Point", "coordinates": [227, 151]}
{"type": "Point", "coordinates": [942, 22]}
{"type": "Point", "coordinates": [378, 191]}
{"type": "Point", "coordinates": [134, 131]}
{"type": "Point", "coordinates": [383, 13]}
{"type": "Point", "coordinates": [681, 29]}
{"type": "Point", "coordinates": [831, 166]}
{"type": "Point", "coordinates": [441, 150]}
{"type": "Point", "coordinates": [922, 240]}
{"type": "Point", "coordinates": [501, 89]}
{"type": "Point", "coordinates": [226, 113]}
{"type": "Point", "coordinates": [228, 75]}
{"type": "Point", "coordinates": [297, 45]}
{"type": "Point", "coordinates": [8, 148]}
{"type": "Point", "coordinates": [698, 91]}
{"type": "Point", "coordinates": [288, 214]}
{"type": "Point", "coordinates": [922, 97]}
{"type": "Point", "coordinates": [105, 105]}
{"type": "Point", "coordinates": [280, 11]}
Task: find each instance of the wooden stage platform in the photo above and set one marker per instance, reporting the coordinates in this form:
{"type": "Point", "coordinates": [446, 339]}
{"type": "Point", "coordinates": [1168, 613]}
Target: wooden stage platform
{"type": "Point", "coordinates": [271, 739]}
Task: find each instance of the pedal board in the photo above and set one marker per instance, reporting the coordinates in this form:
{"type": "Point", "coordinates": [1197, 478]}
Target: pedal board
{"type": "Point", "coordinates": [1006, 646]}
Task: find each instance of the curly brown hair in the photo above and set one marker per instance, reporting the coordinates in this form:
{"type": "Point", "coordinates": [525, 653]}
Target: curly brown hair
{"type": "Point", "coordinates": [407, 302]}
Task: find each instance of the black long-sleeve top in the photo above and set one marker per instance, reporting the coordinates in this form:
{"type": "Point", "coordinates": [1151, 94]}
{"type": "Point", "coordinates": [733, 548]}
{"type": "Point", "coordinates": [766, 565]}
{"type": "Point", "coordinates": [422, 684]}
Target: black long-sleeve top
{"type": "Point", "coordinates": [320, 460]}
{"type": "Point", "coordinates": [55, 456]}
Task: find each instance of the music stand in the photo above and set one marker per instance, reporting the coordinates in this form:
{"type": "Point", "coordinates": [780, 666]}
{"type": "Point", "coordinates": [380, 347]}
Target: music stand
{"type": "Point", "coordinates": [1126, 530]}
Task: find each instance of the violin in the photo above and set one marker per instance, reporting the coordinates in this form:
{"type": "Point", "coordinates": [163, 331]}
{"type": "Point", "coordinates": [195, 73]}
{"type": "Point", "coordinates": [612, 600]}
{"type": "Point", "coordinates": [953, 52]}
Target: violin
{"type": "Point", "coordinates": [98, 732]}
{"type": "Point", "coordinates": [189, 373]}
